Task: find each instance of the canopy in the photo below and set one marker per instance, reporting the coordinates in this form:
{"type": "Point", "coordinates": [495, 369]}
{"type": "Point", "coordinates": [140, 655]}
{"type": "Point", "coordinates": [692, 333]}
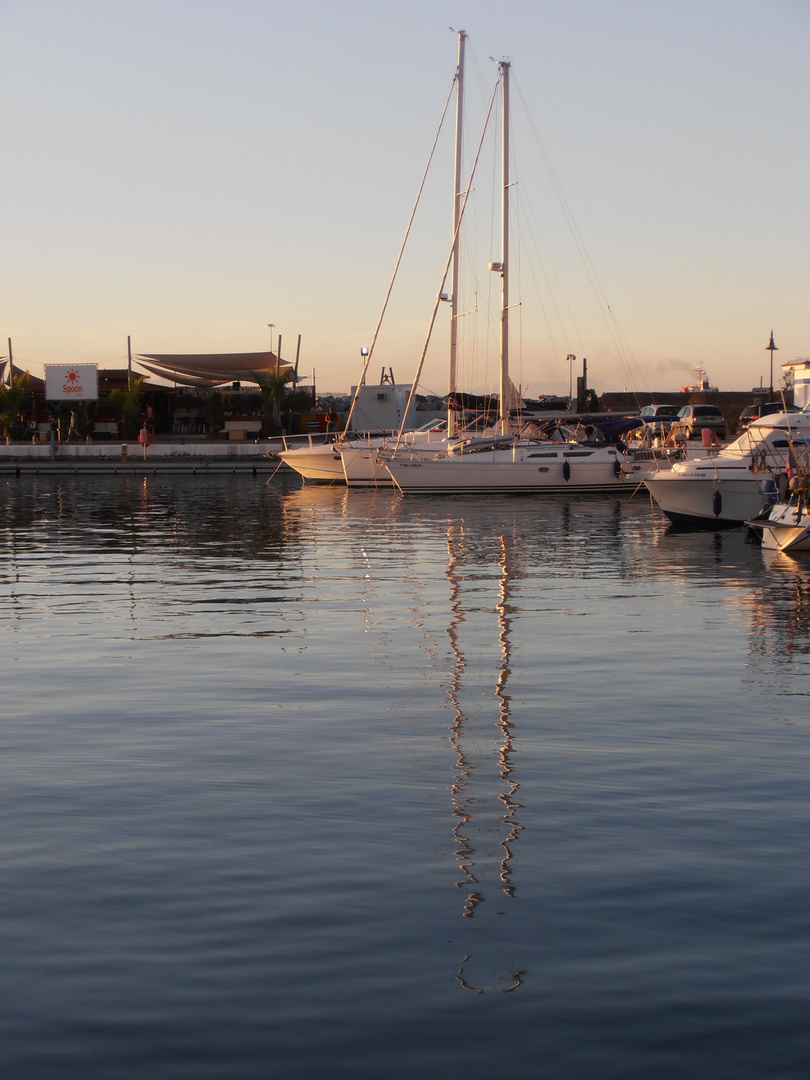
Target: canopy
{"type": "Point", "coordinates": [209, 369]}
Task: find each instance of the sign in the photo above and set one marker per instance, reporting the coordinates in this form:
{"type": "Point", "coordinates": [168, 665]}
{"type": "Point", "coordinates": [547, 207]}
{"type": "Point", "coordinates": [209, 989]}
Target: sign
{"type": "Point", "coordinates": [71, 382]}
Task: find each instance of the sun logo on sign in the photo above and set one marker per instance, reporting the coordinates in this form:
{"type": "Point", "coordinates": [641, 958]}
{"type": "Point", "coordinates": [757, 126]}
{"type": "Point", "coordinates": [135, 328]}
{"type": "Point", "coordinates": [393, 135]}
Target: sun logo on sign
{"type": "Point", "coordinates": [72, 376]}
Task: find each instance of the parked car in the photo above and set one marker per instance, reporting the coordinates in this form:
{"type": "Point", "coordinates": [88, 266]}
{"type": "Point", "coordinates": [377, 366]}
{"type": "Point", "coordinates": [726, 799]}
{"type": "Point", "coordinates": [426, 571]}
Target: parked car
{"type": "Point", "coordinates": [659, 417]}
{"type": "Point", "coordinates": [764, 408]}
{"type": "Point", "coordinates": [693, 419]}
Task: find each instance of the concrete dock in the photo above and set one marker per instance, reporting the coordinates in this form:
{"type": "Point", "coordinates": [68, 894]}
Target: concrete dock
{"type": "Point", "coordinates": [128, 458]}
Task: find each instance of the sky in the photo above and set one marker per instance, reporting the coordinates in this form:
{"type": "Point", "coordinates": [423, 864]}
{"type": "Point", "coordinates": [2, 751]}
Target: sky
{"type": "Point", "coordinates": [187, 172]}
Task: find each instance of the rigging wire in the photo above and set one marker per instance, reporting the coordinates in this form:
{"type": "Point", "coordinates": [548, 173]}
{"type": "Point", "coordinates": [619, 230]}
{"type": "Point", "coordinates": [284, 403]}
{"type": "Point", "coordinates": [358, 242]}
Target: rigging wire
{"type": "Point", "coordinates": [614, 330]}
{"type": "Point", "coordinates": [438, 300]}
{"type": "Point", "coordinates": [370, 353]}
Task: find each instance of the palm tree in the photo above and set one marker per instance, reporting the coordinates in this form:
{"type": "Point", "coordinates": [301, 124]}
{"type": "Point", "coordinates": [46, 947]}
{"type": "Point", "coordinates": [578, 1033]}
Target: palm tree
{"type": "Point", "coordinates": [11, 398]}
{"type": "Point", "coordinates": [124, 404]}
{"type": "Point", "coordinates": [273, 387]}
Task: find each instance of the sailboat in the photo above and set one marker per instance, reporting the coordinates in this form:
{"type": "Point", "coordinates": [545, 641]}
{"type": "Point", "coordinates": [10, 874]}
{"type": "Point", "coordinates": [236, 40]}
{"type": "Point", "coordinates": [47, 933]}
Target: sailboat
{"type": "Point", "coordinates": [506, 463]}
{"type": "Point", "coordinates": [354, 459]}
{"type": "Point", "coordinates": [319, 461]}
{"type": "Point", "coordinates": [365, 465]}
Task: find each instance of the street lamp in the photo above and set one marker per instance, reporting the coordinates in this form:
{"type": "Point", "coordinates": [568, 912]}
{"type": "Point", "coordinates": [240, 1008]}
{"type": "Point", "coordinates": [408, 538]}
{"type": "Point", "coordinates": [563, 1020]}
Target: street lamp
{"type": "Point", "coordinates": [270, 326]}
{"type": "Point", "coordinates": [771, 348]}
{"type": "Point", "coordinates": [364, 354]}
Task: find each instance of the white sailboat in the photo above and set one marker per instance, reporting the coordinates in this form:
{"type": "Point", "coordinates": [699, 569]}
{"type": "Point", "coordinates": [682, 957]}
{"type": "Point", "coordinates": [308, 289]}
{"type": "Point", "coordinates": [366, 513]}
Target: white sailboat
{"type": "Point", "coordinates": [506, 463]}
{"type": "Point", "coordinates": [355, 460]}
{"type": "Point", "coordinates": [365, 465]}
{"type": "Point", "coordinates": [319, 460]}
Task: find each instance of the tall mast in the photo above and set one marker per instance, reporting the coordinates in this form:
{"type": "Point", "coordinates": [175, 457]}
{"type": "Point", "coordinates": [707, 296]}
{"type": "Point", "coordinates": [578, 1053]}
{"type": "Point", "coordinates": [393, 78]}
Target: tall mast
{"type": "Point", "coordinates": [457, 204]}
{"type": "Point", "coordinates": [504, 366]}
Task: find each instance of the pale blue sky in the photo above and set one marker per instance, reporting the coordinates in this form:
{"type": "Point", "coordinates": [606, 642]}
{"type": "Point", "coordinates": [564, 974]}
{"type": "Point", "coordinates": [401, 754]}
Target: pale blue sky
{"type": "Point", "coordinates": [187, 172]}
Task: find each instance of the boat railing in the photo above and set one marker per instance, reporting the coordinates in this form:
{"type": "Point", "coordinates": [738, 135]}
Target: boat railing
{"type": "Point", "coordinates": [310, 438]}
{"type": "Point", "coordinates": [325, 438]}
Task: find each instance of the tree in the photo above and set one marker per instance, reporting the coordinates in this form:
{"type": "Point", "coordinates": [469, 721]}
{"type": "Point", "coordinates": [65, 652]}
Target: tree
{"type": "Point", "coordinates": [125, 405]}
{"type": "Point", "coordinates": [273, 387]}
{"type": "Point", "coordinates": [11, 400]}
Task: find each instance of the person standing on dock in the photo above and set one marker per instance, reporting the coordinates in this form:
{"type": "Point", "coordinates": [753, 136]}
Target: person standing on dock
{"type": "Point", "coordinates": [144, 439]}
{"type": "Point", "coordinates": [73, 429]}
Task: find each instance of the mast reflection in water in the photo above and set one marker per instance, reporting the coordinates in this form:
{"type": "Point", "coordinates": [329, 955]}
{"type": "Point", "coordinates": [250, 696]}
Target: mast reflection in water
{"type": "Point", "coordinates": [471, 787]}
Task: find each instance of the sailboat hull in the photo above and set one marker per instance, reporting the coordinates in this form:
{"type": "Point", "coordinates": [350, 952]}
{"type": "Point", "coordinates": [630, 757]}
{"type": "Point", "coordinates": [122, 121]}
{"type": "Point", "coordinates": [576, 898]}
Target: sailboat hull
{"type": "Point", "coordinates": [319, 463]}
{"type": "Point", "coordinates": [362, 468]}
{"type": "Point", "coordinates": [531, 469]}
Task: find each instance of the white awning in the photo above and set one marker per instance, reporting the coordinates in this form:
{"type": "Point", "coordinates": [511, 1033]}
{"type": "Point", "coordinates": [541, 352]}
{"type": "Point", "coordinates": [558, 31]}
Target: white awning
{"type": "Point", "coordinates": [209, 369]}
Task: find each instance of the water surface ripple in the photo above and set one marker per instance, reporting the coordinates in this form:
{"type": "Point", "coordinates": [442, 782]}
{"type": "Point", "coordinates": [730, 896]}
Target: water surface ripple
{"type": "Point", "coordinates": [298, 783]}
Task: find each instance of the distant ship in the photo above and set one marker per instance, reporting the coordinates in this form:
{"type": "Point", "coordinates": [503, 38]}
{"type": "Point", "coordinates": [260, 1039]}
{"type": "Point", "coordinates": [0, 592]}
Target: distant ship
{"type": "Point", "coordinates": [701, 384]}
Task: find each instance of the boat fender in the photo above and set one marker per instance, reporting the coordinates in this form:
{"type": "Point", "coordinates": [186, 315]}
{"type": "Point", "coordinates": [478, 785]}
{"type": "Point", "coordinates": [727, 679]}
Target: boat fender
{"type": "Point", "coordinates": [567, 470]}
{"type": "Point", "coordinates": [617, 468]}
{"type": "Point", "coordinates": [717, 503]}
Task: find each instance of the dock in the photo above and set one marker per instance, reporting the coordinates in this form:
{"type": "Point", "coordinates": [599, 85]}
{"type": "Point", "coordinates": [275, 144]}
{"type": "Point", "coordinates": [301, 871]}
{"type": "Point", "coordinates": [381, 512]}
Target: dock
{"type": "Point", "coordinates": [195, 458]}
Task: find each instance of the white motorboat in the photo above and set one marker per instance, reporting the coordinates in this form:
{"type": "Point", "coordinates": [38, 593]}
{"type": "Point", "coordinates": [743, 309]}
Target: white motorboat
{"type": "Point", "coordinates": [735, 484]}
{"type": "Point", "coordinates": [787, 526]}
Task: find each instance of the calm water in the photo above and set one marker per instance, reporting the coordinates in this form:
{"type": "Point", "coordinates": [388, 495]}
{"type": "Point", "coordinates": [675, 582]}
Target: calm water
{"type": "Point", "coordinates": [303, 784]}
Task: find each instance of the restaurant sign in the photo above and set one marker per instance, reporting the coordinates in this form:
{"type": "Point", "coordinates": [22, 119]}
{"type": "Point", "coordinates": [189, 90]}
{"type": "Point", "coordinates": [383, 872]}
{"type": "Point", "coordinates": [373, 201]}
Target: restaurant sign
{"type": "Point", "coordinates": [71, 382]}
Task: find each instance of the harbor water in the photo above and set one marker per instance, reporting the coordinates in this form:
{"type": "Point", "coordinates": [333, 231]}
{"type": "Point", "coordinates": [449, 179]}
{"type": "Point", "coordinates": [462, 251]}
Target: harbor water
{"type": "Point", "coordinates": [306, 783]}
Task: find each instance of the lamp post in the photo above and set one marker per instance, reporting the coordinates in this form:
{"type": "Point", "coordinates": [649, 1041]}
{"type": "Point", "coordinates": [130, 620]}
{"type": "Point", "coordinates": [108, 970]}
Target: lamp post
{"type": "Point", "coordinates": [771, 348]}
{"type": "Point", "coordinates": [364, 354]}
{"type": "Point", "coordinates": [270, 326]}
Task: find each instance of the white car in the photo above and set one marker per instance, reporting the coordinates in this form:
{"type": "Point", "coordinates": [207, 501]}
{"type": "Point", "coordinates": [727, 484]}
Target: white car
{"type": "Point", "coordinates": [659, 417]}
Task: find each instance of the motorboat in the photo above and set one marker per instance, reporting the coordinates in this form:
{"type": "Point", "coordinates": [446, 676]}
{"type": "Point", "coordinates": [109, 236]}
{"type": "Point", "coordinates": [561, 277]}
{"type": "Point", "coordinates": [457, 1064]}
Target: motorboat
{"type": "Point", "coordinates": [787, 526]}
{"type": "Point", "coordinates": [735, 484]}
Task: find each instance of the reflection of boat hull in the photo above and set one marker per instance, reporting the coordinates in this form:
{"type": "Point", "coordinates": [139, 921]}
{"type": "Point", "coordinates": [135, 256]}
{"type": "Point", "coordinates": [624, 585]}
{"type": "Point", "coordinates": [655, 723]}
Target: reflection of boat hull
{"type": "Point", "coordinates": [787, 528]}
{"type": "Point", "coordinates": [709, 499]}
{"type": "Point", "coordinates": [536, 469]}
